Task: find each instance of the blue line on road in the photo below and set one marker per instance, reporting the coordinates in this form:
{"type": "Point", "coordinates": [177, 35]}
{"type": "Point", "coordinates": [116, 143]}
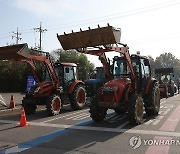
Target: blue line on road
{"type": "Point", "coordinates": [35, 142]}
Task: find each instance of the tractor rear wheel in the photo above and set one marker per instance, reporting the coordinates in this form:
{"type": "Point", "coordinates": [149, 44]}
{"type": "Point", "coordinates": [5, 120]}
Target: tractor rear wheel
{"type": "Point", "coordinates": [28, 108]}
{"type": "Point", "coordinates": [135, 108]}
{"type": "Point", "coordinates": [78, 98]}
{"type": "Point", "coordinates": [97, 113]}
{"type": "Point", "coordinates": [154, 101]}
{"type": "Point", "coordinates": [53, 105]}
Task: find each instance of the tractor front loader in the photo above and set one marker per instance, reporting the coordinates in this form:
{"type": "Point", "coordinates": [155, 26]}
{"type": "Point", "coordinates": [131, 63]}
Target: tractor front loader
{"type": "Point", "coordinates": [55, 83]}
{"type": "Point", "coordinates": [129, 87]}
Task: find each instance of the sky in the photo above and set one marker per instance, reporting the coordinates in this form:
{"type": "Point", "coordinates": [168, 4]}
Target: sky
{"type": "Point", "coordinates": [149, 26]}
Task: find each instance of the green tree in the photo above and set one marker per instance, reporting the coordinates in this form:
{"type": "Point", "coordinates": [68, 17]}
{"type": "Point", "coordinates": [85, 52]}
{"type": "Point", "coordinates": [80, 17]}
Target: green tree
{"type": "Point", "coordinates": [85, 68]}
{"type": "Point", "coordinates": [13, 76]}
{"type": "Point", "coordinates": [167, 60]}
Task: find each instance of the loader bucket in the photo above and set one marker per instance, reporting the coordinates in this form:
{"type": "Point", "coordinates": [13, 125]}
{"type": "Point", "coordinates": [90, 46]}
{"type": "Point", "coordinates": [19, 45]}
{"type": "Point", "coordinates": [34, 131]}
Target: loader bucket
{"type": "Point", "coordinates": [90, 38]}
{"type": "Point", "coordinates": [14, 52]}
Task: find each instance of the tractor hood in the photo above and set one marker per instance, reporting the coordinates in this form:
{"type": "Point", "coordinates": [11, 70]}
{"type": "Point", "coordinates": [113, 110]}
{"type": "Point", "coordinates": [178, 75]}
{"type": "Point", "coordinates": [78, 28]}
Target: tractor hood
{"type": "Point", "coordinates": [14, 52]}
{"type": "Point", "coordinates": [42, 89]}
{"type": "Point", "coordinates": [120, 83]}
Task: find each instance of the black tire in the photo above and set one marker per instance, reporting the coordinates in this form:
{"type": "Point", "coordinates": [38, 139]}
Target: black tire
{"type": "Point", "coordinates": [172, 92]}
{"type": "Point", "coordinates": [97, 113]}
{"type": "Point", "coordinates": [154, 103]}
{"type": "Point", "coordinates": [120, 111]}
{"type": "Point", "coordinates": [28, 108]}
{"type": "Point", "coordinates": [53, 105]}
{"type": "Point", "coordinates": [78, 98]}
{"type": "Point", "coordinates": [135, 108]}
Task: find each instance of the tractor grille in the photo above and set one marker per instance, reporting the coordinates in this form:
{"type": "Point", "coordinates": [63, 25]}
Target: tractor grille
{"type": "Point", "coordinates": [108, 93]}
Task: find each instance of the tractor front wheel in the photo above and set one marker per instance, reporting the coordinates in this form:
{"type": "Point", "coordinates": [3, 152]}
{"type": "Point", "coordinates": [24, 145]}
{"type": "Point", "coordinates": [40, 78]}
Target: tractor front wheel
{"type": "Point", "coordinates": [28, 108]}
{"type": "Point", "coordinates": [78, 98]}
{"type": "Point", "coordinates": [135, 108]}
{"type": "Point", "coordinates": [53, 105]}
{"type": "Point", "coordinates": [97, 113]}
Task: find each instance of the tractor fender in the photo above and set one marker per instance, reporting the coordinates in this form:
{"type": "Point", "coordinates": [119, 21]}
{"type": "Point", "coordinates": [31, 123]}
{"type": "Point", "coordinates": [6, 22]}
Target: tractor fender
{"type": "Point", "coordinates": [74, 84]}
{"type": "Point", "coordinates": [150, 84]}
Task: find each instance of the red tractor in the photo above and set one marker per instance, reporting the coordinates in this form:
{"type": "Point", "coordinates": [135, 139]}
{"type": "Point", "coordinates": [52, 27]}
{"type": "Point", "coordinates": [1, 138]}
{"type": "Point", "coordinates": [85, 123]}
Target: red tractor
{"type": "Point", "coordinates": [130, 87]}
{"type": "Point", "coordinates": [166, 83]}
{"type": "Point", "coordinates": [55, 83]}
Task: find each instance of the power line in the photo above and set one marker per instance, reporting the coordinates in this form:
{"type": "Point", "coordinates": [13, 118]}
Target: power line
{"type": "Point", "coordinates": [112, 16]}
{"type": "Point", "coordinates": [119, 15]}
{"type": "Point", "coordinates": [98, 19]}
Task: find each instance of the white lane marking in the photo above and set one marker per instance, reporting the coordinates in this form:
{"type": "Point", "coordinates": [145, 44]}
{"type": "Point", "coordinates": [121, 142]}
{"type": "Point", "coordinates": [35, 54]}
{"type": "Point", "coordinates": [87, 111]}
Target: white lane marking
{"type": "Point", "coordinates": [117, 119]}
{"type": "Point", "coordinates": [112, 116]}
{"type": "Point", "coordinates": [60, 117]}
{"type": "Point", "coordinates": [121, 117]}
{"type": "Point", "coordinates": [122, 125]}
{"type": "Point", "coordinates": [102, 129]}
{"type": "Point", "coordinates": [9, 121]}
{"type": "Point", "coordinates": [1, 98]}
{"type": "Point", "coordinates": [166, 111]}
{"type": "Point", "coordinates": [148, 122]}
{"type": "Point", "coordinates": [156, 122]}
{"type": "Point", "coordinates": [5, 110]}
{"type": "Point", "coordinates": [42, 109]}
{"type": "Point", "coordinates": [176, 96]}
{"type": "Point", "coordinates": [160, 112]}
{"type": "Point", "coordinates": [160, 117]}
{"type": "Point", "coordinates": [66, 105]}
{"type": "Point", "coordinates": [78, 116]}
{"type": "Point", "coordinates": [15, 149]}
{"type": "Point", "coordinates": [162, 102]}
{"type": "Point", "coordinates": [168, 106]}
{"type": "Point", "coordinates": [82, 118]}
{"type": "Point", "coordinates": [2, 101]}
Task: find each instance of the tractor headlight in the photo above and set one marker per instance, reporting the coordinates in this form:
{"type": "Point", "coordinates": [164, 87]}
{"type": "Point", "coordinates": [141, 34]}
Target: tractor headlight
{"type": "Point", "coordinates": [115, 88]}
{"type": "Point", "coordinates": [36, 90]}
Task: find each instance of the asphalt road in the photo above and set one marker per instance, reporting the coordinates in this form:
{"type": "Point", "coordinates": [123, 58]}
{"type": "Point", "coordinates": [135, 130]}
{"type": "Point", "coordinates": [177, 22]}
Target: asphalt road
{"type": "Point", "coordinates": [75, 132]}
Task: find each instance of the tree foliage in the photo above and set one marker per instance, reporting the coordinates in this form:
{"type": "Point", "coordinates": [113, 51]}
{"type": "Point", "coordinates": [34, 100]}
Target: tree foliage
{"type": "Point", "coordinates": [166, 60]}
{"type": "Point", "coordinates": [13, 76]}
{"type": "Point", "coordinates": [85, 68]}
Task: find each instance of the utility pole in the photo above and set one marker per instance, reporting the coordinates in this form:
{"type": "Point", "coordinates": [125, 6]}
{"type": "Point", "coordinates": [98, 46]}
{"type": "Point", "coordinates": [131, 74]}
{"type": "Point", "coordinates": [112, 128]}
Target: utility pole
{"type": "Point", "coordinates": [40, 30]}
{"type": "Point", "coordinates": [16, 35]}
